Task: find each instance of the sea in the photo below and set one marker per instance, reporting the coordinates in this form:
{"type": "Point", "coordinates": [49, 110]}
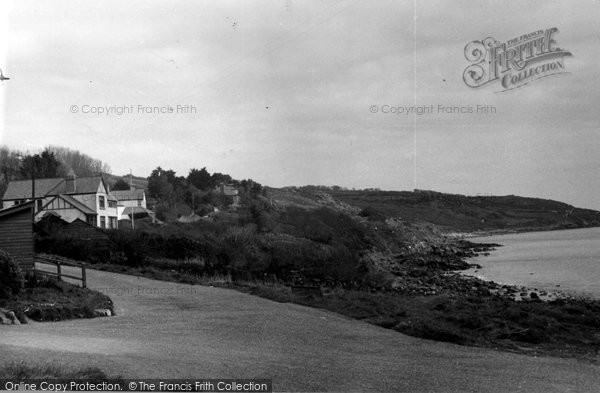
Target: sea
{"type": "Point", "coordinates": [565, 260]}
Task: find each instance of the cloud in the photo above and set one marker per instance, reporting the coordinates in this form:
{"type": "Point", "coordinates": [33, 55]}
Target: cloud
{"type": "Point", "coordinates": [283, 92]}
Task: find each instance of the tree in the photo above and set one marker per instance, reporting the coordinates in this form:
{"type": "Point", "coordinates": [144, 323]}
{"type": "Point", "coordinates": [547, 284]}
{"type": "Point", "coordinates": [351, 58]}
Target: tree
{"type": "Point", "coordinates": [50, 166]}
{"type": "Point", "coordinates": [42, 166]}
{"type": "Point", "coordinates": [200, 178]}
{"type": "Point", "coordinates": [9, 164]}
{"type": "Point", "coordinates": [120, 185]}
{"type": "Point", "coordinates": [80, 163]}
{"type": "Point", "coordinates": [169, 175]}
{"type": "Point", "coordinates": [251, 187]}
{"type": "Point", "coordinates": [193, 196]}
{"type": "Point", "coordinates": [161, 185]}
{"type": "Point", "coordinates": [11, 276]}
{"type": "Point", "coordinates": [218, 178]}
{"type": "Point", "coordinates": [161, 189]}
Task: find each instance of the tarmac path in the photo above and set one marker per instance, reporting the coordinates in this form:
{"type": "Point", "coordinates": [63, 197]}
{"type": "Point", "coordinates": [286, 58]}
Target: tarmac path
{"type": "Point", "coordinates": [169, 330]}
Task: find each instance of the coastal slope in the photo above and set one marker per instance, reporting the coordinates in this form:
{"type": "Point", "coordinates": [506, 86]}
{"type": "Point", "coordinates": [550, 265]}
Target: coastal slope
{"type": "Point", "coordinates": [454, 212]}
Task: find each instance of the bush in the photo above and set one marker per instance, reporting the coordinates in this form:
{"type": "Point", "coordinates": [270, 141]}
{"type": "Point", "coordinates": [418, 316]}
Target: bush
{"type": "Point", "coordinates": [12, 279]}
{"type": "Point", "coordinates": [372, 214]}
{"type": "Point", "coordinates": [73, 247]}
{"type": "Point", "coordinates": [195, 266]}
{"type": "Point", "coordinates": [161, 212]}
{"type": "Point", "coordinates": [294, 258]}
{"type": "Point", "coordinates": [204, 209]}
{"type": "Point", "coordinates": [323, 246]}
{"type": "Point", "coordinates": [124, 247]}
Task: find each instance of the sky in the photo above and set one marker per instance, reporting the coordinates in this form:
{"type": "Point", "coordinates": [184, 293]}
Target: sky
{"type": "Point", "coordinates": [300, 92]}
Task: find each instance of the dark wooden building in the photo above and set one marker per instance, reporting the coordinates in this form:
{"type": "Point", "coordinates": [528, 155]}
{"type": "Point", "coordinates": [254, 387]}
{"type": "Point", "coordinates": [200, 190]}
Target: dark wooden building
{"type": "Point", "coordinates": [16, 234]}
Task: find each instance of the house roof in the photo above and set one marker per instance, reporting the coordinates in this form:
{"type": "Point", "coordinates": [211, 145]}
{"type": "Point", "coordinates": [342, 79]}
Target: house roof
{"type": "Point", "coordinates": [83, 185]}
{"type": "Point", "coordinates": [15, 209]}
{"type": "Point", "coordinates": [137, 210]}
{"type": "Point", "coordinates": [80, 206]}
{"type": "Point", "coordinates": [227, 189]}
{"type": "Point", "coordinates": [73, 202]}
{"type": "Point", "coordinates": [128, 195]}
{"type": "Point", "coordinates": [21, 189]}
{"type": "Point", "coordinates": [230, 190]}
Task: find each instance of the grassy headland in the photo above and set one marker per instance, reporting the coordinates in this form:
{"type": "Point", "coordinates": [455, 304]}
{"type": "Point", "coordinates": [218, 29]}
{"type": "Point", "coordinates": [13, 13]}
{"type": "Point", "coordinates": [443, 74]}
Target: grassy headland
{"type": "Point", "coordinates": [460, 213]}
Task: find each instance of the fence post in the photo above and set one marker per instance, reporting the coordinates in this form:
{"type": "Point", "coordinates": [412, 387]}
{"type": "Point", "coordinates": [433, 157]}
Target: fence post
{"type": "Point", "coordinates": [58, 270]}
{"type": "Point", "coordinates": [83, 280]}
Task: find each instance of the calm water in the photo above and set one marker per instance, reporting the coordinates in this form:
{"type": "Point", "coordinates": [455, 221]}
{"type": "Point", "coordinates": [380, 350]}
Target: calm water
{"type": "Point", "coordinates": [544, 260]}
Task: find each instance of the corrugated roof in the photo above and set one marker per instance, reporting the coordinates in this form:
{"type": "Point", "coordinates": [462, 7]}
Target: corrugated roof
{"type": "Point", "coordinates": [128, 195]}
{"type": "Point", "coordinates": [21, 189]}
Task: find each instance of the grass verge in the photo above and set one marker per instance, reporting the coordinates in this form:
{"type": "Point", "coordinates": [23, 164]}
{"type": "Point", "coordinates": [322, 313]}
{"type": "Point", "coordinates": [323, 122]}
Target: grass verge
{"type": "Point", "coordinates": [45, 370]}
{"type": "Point", "coordinates": [51, 300]}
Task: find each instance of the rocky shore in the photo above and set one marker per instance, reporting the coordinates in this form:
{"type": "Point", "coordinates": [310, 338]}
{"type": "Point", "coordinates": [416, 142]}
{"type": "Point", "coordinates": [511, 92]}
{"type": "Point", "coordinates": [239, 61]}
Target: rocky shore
{"type": "Point", "coordinates": [429, 297]}
{"type": "Point", "coordinates": [439, 272]}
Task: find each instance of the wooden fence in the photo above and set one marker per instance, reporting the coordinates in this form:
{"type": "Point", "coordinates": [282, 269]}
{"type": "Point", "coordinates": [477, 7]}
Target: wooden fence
{"type": "Point", "coordinates": [58, 262]}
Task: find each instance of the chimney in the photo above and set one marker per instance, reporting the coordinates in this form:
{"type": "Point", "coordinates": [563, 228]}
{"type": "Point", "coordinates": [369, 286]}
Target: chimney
{"type": "Point", "coordinates": [71, 183]}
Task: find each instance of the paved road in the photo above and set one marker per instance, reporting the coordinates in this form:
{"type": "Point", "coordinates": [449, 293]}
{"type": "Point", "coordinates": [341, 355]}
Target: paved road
{"type": "Point", "coordinates": [176, 330]}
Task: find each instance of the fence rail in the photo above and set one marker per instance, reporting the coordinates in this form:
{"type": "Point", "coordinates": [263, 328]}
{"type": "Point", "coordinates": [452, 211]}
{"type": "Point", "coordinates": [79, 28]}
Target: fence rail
{"type": "Point", "coordinates": [58, 262]}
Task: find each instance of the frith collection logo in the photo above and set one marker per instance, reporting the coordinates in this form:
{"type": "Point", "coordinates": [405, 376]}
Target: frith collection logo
{"type": "Point", "coordinates": [516, 62]}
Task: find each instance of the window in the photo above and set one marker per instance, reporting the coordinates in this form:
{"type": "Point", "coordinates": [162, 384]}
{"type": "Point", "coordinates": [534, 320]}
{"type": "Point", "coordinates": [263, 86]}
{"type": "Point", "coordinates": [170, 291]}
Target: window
{"type": "Point", "coordinates": [103, 222]}
{"type": "Point", "coordinates": [90, 219]}
{"type": "Point", "coordinates": [140, 203]}
{"type": "Point", "coordinates": [38, 205]}
{"type": "Point", "coordinates": [101, 202]}
{"type": "Point", "coordinates": [112, 222]}
{"type": "Point", "coordinates": [112, 204]}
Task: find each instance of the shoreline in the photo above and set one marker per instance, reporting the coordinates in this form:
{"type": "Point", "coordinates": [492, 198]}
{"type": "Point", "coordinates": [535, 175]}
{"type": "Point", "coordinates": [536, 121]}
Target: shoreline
{"type": "Point", "coordinates": [500, 232]}
{"type": "Point", "coordinates": [492, 271]}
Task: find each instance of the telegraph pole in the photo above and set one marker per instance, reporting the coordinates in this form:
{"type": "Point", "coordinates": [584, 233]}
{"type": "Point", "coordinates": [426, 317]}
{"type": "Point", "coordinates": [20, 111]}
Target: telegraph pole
{"type": "Point", "coordinates": [131, 198]}
{"type": "Point", "coordinates": [33, 193]}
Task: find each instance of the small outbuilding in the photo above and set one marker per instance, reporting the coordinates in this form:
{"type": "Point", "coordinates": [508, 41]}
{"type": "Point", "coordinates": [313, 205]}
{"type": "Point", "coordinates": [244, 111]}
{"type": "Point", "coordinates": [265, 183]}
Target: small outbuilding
{"type": "Point", "coordinates": [16, 234]}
